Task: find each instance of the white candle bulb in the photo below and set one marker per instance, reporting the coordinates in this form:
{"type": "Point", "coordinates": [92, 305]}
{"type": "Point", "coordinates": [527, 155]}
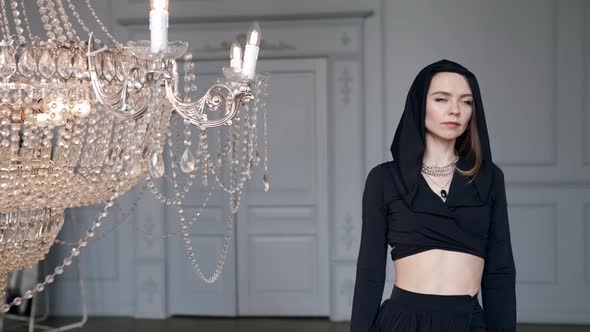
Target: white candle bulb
{"type": "Point", "coordinates": [253, 37]}
{"type": "Point", "coordinates": [159, 5]}
{"type": "Point", "coordinates": [236, 55]}
{"type": "Point", "coordinates": [251, 52]}
{"type": "Point", "coordinates": [158, 26]}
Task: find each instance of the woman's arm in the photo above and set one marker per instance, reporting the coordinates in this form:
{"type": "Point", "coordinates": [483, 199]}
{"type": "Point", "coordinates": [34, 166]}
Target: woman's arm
{"type": "Point", "coordinates": [499, 275]}
{"type": "Point", "coordinates": [371, 262]}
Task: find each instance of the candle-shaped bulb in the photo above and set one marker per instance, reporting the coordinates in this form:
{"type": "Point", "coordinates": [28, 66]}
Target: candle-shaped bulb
{"type": "Point", "coordinates": [159, 4]}
{"type": "Point", "coordinates": [254, 35]}
{"type": "Point", "coordinates": [236, 55]}
{"type": "Point", "coordinates": [158, 26]}
{"type": "Point", "coordinates": [251, 52]}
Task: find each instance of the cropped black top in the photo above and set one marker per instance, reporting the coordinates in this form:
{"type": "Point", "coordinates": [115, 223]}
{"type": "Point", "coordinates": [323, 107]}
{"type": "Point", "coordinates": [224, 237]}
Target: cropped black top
{"type": "Point", "coordinates": [459, 224]}
{"type": "Point", "coordinates": [400, 209]}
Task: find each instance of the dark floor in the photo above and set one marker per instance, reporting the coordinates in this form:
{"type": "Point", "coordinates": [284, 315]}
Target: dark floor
{"type": "Point", "coordinates": [178, 324]}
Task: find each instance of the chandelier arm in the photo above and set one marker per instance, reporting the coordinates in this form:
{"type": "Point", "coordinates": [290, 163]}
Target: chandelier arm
{"type": "Point", "coordinates": [194, 111]}
{"type": "Point", "coordinates": [116, 103]}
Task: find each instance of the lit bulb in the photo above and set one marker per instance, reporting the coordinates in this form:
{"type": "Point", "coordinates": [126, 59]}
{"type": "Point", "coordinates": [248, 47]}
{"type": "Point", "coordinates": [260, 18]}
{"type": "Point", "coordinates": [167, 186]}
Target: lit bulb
{"type": "Point", "coordinates": [236, 55]}
{"type": "Point", "coordinates": [159, 4]}
{"type": "Point", "coordinates": [251, 52]}
{"type": "Point", "coordinates": [81, 109]}
{"type": "Point", "coordinates": [254, 34]}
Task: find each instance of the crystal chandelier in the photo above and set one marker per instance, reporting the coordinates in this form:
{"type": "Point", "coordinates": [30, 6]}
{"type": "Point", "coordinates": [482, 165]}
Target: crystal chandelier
{"type": "Point", "coordinates": [81, 123]}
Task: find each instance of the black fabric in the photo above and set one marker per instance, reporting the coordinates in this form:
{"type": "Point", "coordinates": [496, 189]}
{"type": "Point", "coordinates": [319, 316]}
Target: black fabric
{"type": "Point", "coordinates": [400, 209]}
{"type": "Point", "coordinates": [407, 311]}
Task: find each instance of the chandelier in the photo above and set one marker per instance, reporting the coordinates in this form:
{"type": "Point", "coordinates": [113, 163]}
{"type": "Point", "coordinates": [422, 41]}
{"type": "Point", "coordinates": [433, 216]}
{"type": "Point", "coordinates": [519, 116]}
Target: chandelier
{"type": "Point", "coordinates": [82, 122]}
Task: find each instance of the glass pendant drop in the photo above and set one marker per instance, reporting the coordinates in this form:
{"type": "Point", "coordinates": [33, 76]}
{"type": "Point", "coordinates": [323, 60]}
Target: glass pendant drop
{"type": "Point", "coordinates": [7, 63]}
{"type": "Point", "coordinates": [156, 167]}
{"type": "Point", "coordinates": [187, 161]}
{"type": "Point", "coordinates": [46, 64]}
{"type": "Point", "coordinates": [265, 180]}
{"type": "Point", "coordinates": [26, 64]}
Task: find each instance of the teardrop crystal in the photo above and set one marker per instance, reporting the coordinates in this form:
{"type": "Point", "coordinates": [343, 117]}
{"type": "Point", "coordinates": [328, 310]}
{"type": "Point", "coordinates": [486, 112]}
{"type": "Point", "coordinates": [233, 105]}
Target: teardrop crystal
{"type": "Point", "coordinates": [26, 64]}
{"type": "Point", "coordinates": [108, 69]}
{"type": "Point", "coordinates": [121, 69]}
{"type": "Point", "coordinates": [7, 62]}
{"type": "Point", "coordinates": [98, 65]}
{"type": "Point", "coordinates": [187, 162]}
{"type": "Point", "coordinates": [64, 65]}
{"type": "Point", "coordinates": [80, 67]}
{"type": "Point", "coordinates": [46, 64]}
{"type": "Point", "coordinates": [156, 167]}
{"type": "Point", "coordinates": [265, 180]}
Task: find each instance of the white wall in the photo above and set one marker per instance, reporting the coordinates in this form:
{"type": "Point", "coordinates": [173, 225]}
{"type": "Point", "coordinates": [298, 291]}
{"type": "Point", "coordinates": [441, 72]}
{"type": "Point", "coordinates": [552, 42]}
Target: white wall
{"type": "Point", "coordinates": [530, 59]}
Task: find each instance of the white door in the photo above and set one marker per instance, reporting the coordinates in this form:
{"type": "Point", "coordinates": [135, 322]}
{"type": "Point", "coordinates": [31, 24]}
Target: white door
{"type": "Point", "coordinates": [283, 264]}
{"type": "Point", "coordinates": [281, 236]}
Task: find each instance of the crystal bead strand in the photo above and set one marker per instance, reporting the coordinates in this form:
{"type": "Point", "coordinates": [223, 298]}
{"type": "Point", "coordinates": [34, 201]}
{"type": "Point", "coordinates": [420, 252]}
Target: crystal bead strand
{"type": "Point", "coordinates": [102, 27]}
{"type": "Point", "coordinates": [63, 144]}
{"type": "Point", "coordinates": [204, 156]}
{"type": "Point", "coordinates": [70, 31]}
{"type": "Point", "coordinates": [7, 36]}
{"type": "Point", "coordinates": [190, 87]}
{"type": "Point", "coordinates": [17, 21]}
{"type": "Point", "coordinates": [80, 20]}
{"type": "Point", "coordinates": [26, 17]}
{"type": "Point", "coordinates": [190, 251]}
{"type": "Point", "coordinates": [263, 95]}
{"type": "Point", "coordinates": [57, 29]}
{"type": "Point", "coordinates": [45, 19]}
{"type": "Point", "coordinates": [77, 139]}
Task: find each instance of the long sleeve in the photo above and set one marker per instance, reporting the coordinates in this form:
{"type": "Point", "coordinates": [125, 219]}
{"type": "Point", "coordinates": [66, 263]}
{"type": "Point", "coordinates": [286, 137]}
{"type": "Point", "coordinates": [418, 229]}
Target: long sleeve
{"type": "Point", "coordinates": [371, 262]}
{"type": "Point", "coordinates": [499, 275]}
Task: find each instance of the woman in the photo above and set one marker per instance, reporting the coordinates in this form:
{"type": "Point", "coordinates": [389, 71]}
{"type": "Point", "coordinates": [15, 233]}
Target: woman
{"type": "Point", "coordinates": [447, 225]}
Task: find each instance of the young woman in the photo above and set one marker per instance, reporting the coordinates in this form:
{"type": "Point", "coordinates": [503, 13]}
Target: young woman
{"type": "Point", "coordinates": [441, 205]}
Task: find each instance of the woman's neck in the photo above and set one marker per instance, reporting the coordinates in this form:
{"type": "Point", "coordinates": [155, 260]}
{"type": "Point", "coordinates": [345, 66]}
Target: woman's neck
{"type": "Point", "coordinates": [438, 151]}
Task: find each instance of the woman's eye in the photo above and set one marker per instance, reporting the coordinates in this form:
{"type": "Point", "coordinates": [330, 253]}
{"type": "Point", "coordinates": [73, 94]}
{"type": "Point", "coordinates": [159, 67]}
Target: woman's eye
{"type": "Point", "coordinates": [439, 99]}
{"type": "Point", "coordinates": [469, 102]}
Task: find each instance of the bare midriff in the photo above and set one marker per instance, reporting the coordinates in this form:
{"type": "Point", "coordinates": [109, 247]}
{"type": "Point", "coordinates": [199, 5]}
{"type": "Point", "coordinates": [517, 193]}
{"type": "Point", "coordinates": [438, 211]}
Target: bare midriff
{"type": "Point", "coordinates": [440, 272]}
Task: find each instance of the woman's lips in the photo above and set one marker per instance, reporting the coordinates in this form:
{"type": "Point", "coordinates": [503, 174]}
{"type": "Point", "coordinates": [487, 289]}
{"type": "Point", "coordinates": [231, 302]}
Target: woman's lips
{"type": "Point", "coordinates": [451, 124]}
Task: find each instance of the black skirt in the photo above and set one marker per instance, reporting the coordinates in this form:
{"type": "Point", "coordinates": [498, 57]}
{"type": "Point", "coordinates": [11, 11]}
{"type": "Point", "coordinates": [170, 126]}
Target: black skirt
{"type": "Point", "coordinates": [407, 311]}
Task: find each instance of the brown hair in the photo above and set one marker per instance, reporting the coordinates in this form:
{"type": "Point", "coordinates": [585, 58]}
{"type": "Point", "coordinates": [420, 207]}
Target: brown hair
{"type": "Point", "coordinates": [468, 144]}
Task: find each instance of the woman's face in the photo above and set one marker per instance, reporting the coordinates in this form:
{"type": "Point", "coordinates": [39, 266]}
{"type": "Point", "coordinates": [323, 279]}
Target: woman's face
{"type": "Point", "coordinates": [449, 105]}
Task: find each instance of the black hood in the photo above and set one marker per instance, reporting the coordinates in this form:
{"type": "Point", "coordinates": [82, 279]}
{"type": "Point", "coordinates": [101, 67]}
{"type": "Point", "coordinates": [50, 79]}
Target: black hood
{"type": "Point", "coordinates": [409, 140]}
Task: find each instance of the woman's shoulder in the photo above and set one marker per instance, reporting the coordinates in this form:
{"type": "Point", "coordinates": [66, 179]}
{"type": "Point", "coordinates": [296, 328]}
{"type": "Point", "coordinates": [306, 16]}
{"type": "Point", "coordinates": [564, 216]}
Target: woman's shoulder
{"type": "Point", "coordinates": [381, 176]}
{"type": "Point", "coordinates": [382, 171]}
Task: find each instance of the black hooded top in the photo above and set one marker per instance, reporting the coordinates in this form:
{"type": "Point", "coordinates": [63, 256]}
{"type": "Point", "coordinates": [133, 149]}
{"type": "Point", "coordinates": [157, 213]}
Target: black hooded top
{"type": "Point", "coordinates": [400, 209]}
